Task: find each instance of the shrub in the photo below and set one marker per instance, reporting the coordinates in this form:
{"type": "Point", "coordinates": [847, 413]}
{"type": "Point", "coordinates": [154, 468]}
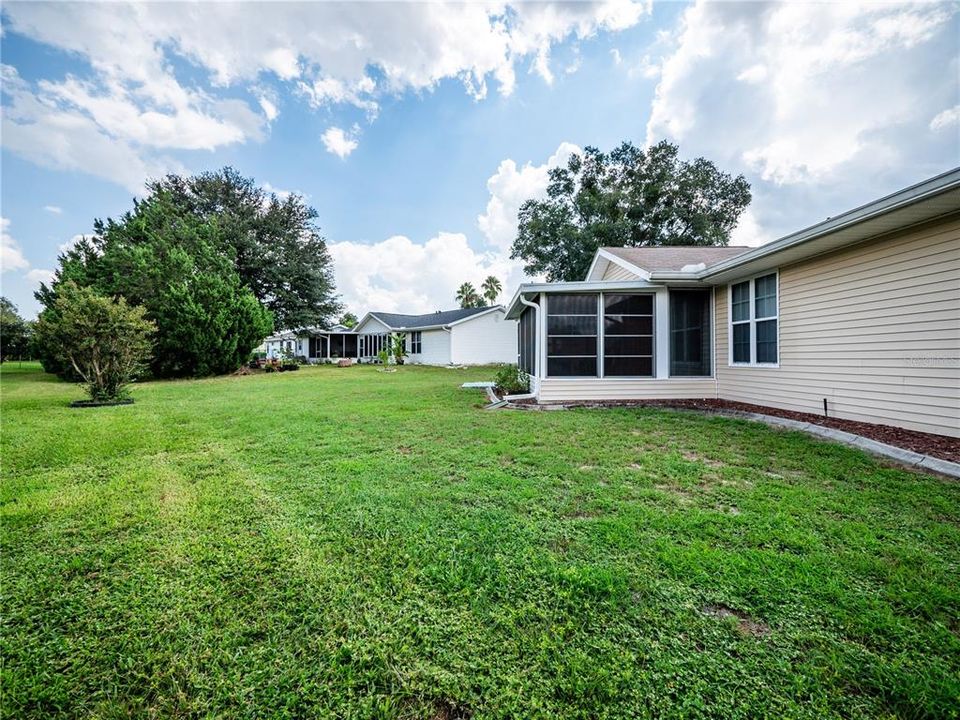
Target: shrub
{"type": "Point", "coordinates": [175, 267]}
{"type": "Point", "coordinates": [511, 380]}
{"type": "Point", "coordinates": [105, 341]}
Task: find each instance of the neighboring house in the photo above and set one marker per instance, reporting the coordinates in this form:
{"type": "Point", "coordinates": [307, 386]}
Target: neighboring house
{"type": "Point", "coordinates": [473, 336]}
{"type": "Point", "coordinates": [861, 311]}
{"type": "Point", "coordinates": [470, 336]}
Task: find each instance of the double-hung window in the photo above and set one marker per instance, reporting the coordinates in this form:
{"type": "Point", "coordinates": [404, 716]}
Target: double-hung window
{"type": "Point", "coordinates": [416, 342]}
{"type": "Point", "coordinates": [753, 321]}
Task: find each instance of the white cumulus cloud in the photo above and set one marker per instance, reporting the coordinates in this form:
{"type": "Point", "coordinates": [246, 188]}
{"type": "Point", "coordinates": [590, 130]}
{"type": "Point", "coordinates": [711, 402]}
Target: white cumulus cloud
{"type": "Point", "coordinates": [339, 141]}
{"type": "Point", "coordinates": [11, 256]}
{"type": "Point", "coordinates": [822, 105]}
{"type": "Point", "coordinates": [946, 118]}
{"type": "Point", "coordinates": [510, 186]}
{"type": "Point", "coordinates": [53, 209]}
{"type": "Point", "coordinates": [119, 118]}
{"type": "Point", "coordinates": [39, 275]}
{"type": "Point", "coordinates": [399, 274]}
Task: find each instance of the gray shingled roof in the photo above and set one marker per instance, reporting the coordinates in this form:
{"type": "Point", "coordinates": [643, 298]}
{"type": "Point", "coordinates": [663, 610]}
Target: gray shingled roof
{"type": "Point", "coordinates": [654, 259]}
{"type": "Point", "coordinates": [441, 317]}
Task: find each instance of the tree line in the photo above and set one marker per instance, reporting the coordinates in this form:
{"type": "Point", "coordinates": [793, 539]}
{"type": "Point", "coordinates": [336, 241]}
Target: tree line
{"type": "Point", "coordinates": [203, 267]}
{"type": "Point", "coordinates": [215, 262]}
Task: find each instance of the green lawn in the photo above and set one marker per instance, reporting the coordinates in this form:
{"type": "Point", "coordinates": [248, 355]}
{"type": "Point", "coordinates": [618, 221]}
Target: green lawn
{"type": "Point", "coordinates": [346, 543]}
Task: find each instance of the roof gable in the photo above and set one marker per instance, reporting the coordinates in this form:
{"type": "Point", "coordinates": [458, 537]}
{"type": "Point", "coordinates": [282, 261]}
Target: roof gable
{"type": "Point", "coordinates": [400, 321]}
{"type": "Point", "coordinates": [674, 258]}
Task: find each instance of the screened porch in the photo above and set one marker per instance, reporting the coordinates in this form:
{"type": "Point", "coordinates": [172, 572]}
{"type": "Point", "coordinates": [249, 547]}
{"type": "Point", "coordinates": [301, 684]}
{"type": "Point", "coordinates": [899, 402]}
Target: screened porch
{"type": "Point", "coordinates": [362, 347]}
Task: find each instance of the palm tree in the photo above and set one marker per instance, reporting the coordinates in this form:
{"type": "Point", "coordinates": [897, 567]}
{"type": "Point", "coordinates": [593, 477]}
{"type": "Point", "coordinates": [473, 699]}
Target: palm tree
{"type": "Point", "coordinates": [491, 289]}
{"type": "Point", "coordinates": [467, 295]}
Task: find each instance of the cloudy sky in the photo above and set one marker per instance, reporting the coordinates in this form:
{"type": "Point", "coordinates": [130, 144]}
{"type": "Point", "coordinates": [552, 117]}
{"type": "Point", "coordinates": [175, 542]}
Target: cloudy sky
{"type": "Point", "coordinates": [416, 131]}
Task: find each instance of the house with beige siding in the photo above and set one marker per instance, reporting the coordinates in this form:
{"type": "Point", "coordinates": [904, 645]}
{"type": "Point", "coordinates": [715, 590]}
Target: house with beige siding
{"type": "Point", "coordinates": [859, 314]}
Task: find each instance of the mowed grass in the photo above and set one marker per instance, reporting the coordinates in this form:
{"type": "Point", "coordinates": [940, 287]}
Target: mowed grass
{"type": "Point", "coordinates": [345, 543]}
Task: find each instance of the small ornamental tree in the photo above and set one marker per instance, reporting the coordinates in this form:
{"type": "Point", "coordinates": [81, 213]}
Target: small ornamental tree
{"type": "Point", "coordinates": [398, 347]}
{"type": "Point", "coordinates": [106, 342]}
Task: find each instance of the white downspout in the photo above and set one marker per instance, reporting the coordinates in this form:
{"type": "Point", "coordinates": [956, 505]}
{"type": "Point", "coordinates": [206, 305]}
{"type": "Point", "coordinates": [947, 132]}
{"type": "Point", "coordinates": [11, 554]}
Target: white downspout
{"type": "Point", "coordinates": [536, 355]}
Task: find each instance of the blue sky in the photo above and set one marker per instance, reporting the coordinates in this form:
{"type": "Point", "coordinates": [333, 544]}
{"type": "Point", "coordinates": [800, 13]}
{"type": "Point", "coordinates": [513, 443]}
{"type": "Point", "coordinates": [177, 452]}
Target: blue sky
{"type": "Point", "coordinates": [417, 130]}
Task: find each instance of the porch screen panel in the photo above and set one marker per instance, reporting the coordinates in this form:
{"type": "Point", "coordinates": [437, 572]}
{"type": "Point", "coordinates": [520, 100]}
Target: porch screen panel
{"type": "Point", "coordinates": [527, 340]}
{"type": "Point", "coordinates": [572, 335]}
{"type": "Point", "coordinates": [690, 333]}
{"type": "Point", "coordinates": [628, 335]}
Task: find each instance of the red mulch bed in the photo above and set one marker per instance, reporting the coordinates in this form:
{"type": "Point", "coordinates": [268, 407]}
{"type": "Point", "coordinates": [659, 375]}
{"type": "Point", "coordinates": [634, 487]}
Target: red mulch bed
{"type": "Point", "coordinates": [940, 446]}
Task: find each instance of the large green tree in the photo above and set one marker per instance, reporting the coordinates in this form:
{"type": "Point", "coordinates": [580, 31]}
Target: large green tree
{"type": "Point", "coordinates": [177, 266]}
{"type": "Point", "coordinates": [15, 332]}
{"type": "Point", "coordinates": [273, 242]}
{"type": "Point", "coordinates": [629, 197]}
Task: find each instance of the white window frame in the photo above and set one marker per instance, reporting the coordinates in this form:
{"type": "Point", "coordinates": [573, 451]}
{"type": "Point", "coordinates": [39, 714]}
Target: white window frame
{"type": "Point", "coordinates": [752, 321]}
{"type": "Point", "coordinates": [416, 340]}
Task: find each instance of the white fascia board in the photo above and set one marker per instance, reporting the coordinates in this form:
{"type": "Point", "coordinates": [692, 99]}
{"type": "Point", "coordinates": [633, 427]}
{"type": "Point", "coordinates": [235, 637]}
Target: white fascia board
{"type": "Point", "coordinates": [576, 286]}
{"type": "Point", "coordinates": [625, 264]}
{"type": "Point", "coordinates": [417, 328]}
{"type": "Point", "coordinates": [515, 300]}
{"type": "Point", "coordinates": [597, 257]}
{"type": "Point", "coordinates": [366, 317]}
{"type": "Point", "coordinates": [468, 318]}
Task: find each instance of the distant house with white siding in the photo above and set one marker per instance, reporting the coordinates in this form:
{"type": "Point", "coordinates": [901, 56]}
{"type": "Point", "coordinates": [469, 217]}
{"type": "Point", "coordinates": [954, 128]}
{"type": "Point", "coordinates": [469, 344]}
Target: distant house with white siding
{"type": "Point", "coordinates": [467, 336]}
{"type": "Point", "coordinates": [858, 315]}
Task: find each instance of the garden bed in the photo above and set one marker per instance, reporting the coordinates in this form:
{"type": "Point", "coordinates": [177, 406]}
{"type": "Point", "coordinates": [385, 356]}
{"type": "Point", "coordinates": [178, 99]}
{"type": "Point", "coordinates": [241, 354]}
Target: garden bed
{"type": "Point", "coordinates": [100, 403]}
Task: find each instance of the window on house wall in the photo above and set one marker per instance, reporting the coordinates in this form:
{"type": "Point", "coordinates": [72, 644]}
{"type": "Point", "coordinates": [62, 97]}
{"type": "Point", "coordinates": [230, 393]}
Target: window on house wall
{"type": "Point", "coordinates": [628, 335]}
{"type": "Point", "coordinates": [690, 333]}
{"type": "Point", "coordinates": [572, 335]}
{"type": "Point", "coordinates": [753, 321]}
{"type": "Point", "coordinates": [416, 342]}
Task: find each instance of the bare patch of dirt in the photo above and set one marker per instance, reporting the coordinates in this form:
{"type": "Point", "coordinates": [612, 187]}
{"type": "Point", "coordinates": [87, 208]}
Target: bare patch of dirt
{"type": "Point", "coordinates": [728, 509]}
{"type": "Point", "coordinates": [588, 468]}
{"type": "Point", "coordinates": [451, 710]}
{"type": "Point", "coordinates": [404, 450]}
{"type": "Point", "coordinates": [745, 624]}
{"type": "Point", "coordinates": [559, 545]}
{"type": "Point", "coordinates": [696, 457]}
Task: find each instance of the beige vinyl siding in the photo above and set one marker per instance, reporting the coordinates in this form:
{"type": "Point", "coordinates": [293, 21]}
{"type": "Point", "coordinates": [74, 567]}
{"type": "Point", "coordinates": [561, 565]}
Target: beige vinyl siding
{"type": "Point", "coordinates": [874, 328]}
{"type": "Point", "coordinates": [572, 389]}
{"type": "Point", "coordinates": [616, 272]}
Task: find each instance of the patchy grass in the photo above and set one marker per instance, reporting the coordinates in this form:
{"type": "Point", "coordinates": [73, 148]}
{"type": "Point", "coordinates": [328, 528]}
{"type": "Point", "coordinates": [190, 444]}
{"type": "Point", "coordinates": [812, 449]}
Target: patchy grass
{"type": "Point", "coordinates": [350, 544]}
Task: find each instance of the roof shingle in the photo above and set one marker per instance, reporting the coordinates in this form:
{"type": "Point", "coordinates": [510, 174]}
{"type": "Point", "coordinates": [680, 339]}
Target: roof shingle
{"type": "Point", "coordinates": [657, 259]}
{"type": "Point", "coordinates": [441, 317]}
